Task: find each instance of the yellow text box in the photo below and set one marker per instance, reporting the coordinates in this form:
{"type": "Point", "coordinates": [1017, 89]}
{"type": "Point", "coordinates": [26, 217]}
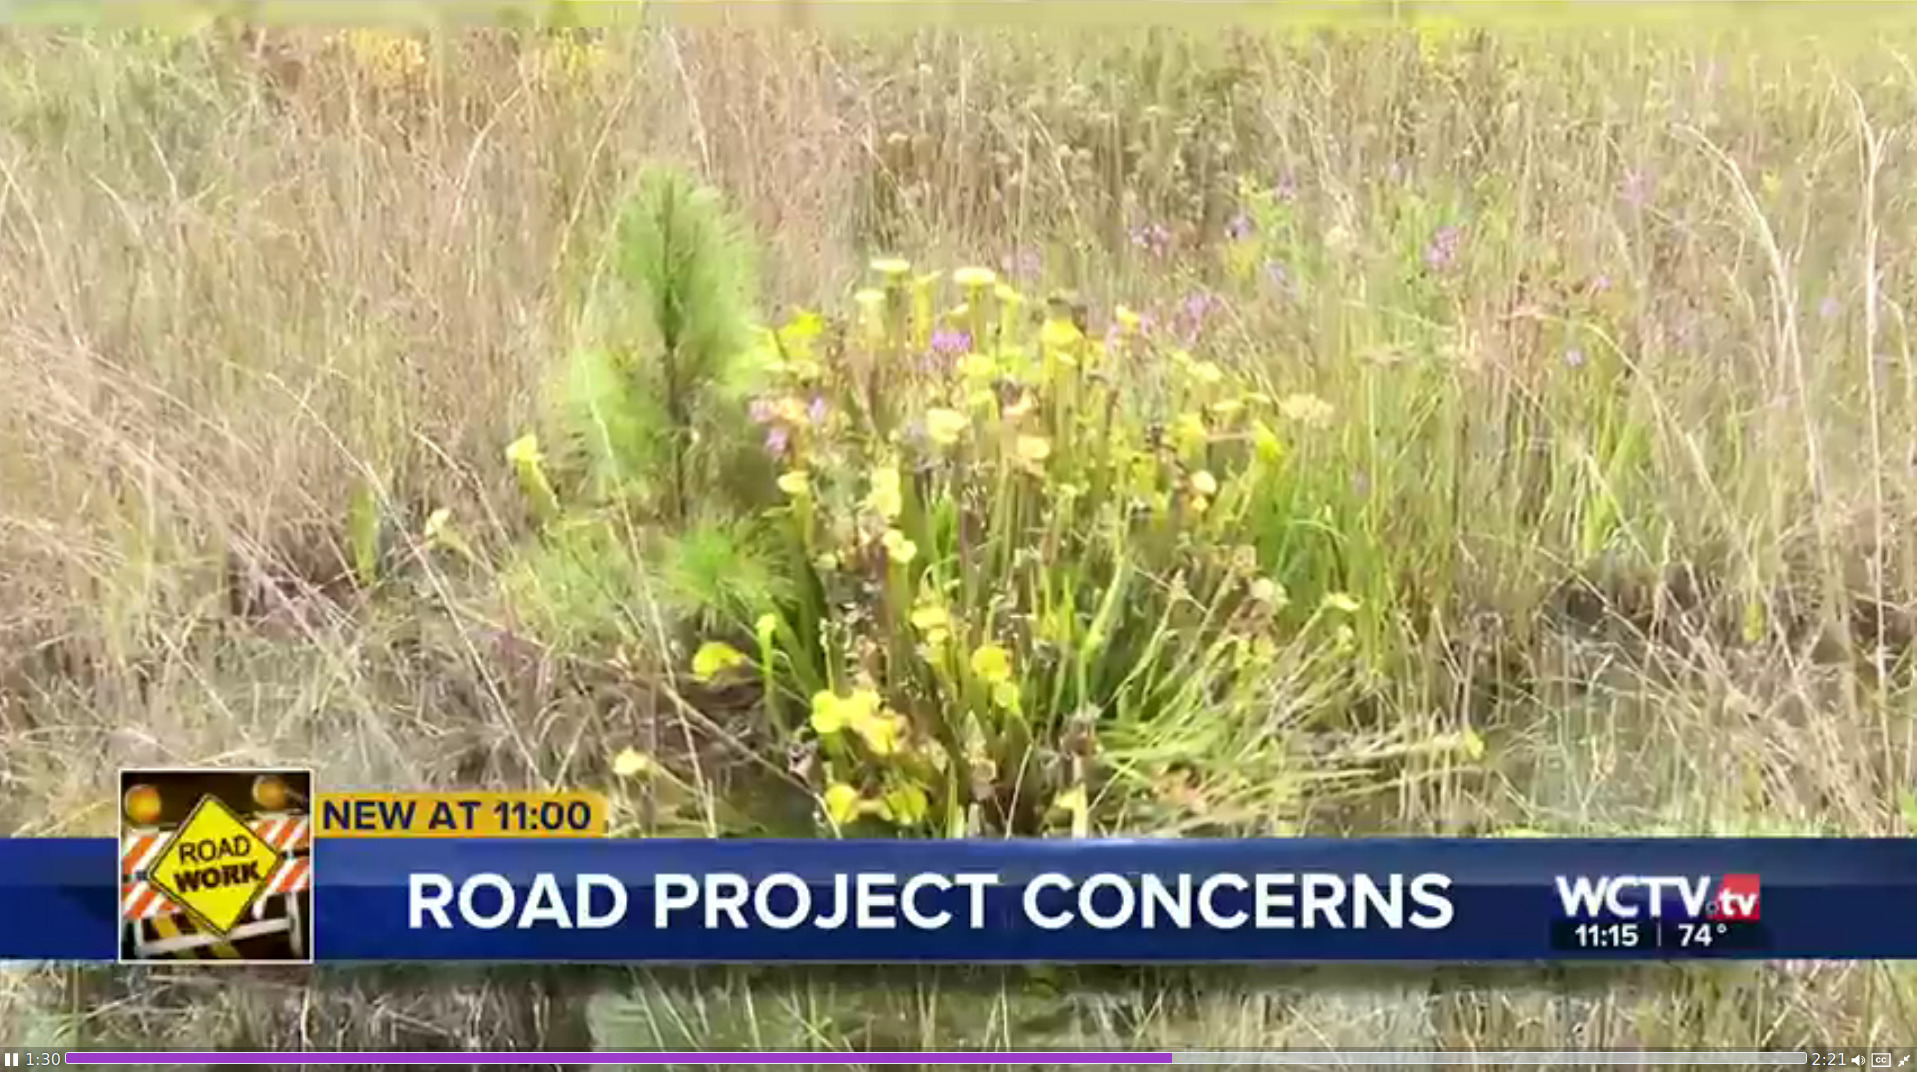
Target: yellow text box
{"type": "Point", "coordinates": [572, 814]}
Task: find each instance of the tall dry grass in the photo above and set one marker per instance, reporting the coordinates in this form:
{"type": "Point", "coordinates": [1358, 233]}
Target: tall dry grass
{"type": "Point", "coordinates": [1639, 520]}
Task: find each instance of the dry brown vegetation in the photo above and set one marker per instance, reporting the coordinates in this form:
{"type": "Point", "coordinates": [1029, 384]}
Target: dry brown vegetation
{"type": "Point", "coordinates": [1621, 466]}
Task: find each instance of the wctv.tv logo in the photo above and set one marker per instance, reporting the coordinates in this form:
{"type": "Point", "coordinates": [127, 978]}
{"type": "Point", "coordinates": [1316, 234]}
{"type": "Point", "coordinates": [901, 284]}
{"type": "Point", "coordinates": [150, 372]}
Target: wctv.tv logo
{"type": "Point", "coordinates": [1729, 899]}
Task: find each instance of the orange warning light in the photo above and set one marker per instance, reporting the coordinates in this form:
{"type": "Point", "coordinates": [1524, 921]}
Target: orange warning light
{"type": "Point", "coordinates": [270, 792]}
{"type": "Point", "coordinates": [143, 805]}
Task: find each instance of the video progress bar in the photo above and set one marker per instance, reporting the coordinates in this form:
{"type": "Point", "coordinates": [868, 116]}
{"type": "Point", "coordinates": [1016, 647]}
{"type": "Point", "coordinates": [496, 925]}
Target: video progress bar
{"type": "Point", "coordinates": [1305, 1058]}
{"type": "Point", "coordinates": [1493, 1058]}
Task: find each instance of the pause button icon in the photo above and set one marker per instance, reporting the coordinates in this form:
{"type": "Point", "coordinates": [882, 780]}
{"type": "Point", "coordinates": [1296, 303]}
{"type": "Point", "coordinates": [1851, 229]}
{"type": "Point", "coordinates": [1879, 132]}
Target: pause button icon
{"type": "Point", "coordinates": [13, 1060]}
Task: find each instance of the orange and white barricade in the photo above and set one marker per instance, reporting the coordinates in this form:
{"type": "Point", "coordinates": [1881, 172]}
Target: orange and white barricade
{"type": "Point", "coordinates": [162, 928]}
{"type": "Point", "coordinates": [292, 836]}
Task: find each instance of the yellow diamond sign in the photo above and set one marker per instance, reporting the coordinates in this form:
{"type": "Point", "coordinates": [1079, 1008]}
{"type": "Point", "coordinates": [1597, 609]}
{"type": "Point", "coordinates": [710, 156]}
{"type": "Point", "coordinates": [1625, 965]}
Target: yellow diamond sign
{"type": "Point", "coordinates": [214, 866]}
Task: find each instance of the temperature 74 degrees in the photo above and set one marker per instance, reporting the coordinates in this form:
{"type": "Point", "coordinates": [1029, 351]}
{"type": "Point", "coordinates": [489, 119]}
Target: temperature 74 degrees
{"type": "Point", "coordinates": [1693, 935]}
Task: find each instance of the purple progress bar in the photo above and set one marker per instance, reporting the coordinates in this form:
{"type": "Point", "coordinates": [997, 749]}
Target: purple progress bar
{"type": "Point", "coordinates": [111, 1057]}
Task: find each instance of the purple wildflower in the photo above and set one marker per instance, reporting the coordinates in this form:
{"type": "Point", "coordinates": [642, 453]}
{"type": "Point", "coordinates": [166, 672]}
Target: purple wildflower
{"type": "Point", "coordinates": [817, 410]}
{"type": "Point", "coordinates": [777, 440]}
{"type": "Point", "coordinates": [1153, 238]}
{"type": "Point", "coordinates": [1574, 357]}
{"type": "Point", "coordinates": [1287, 187]}
{"type": "Point", "coordinates": [1193, 312]}
{"type": "Point", "coordinates": [1828, 308]}
{"type": "Point", "coordinates": [762, 411]}
{"type": "Point", "coordinates": [1601, 284]}
{"type": "Point", "coordinates": [1277, 276]}
{"type": "Point", "coordinates": [1240, 227]}
{"type": "Point", "coordinates": [947, 342]}
{"type": "Point", "coordinates": [1443, 249]}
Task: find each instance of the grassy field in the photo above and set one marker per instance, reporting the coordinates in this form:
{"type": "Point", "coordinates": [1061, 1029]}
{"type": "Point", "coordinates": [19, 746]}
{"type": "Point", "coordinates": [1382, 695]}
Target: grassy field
{"type": "Point", "coordinates": [1406, 427]}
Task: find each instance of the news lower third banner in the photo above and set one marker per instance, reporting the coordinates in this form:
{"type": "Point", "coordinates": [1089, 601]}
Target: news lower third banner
{"type": "Point", "coordinates": [1106, 901]}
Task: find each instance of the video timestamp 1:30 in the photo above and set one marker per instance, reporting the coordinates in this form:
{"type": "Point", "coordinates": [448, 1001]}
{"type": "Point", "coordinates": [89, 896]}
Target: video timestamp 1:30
{"type": "Point", "coordinates": [1636, 937]}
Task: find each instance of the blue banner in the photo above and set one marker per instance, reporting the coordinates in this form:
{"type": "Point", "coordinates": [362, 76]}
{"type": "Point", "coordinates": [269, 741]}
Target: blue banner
{"type": "Point", "coordinates": [1108, 901]}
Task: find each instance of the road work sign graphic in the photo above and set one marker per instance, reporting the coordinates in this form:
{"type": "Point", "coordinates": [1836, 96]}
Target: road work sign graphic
{"type": "Point", "coordinates": [216, 865]}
